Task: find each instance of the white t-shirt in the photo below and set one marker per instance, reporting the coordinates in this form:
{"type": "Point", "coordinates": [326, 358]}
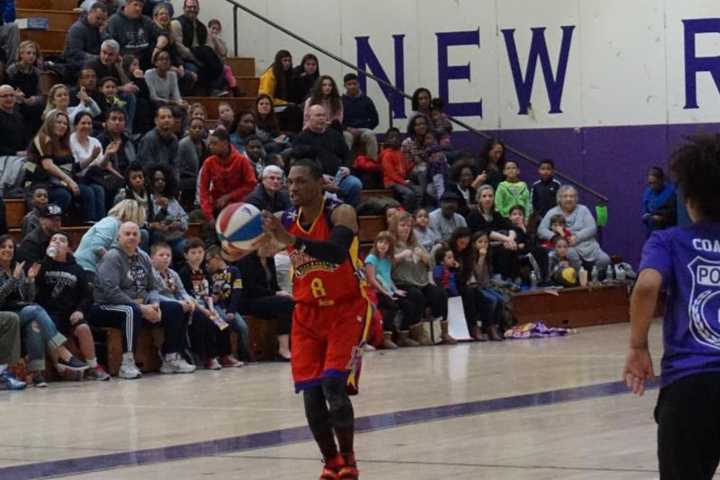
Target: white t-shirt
{"type": "Point", "coordinates": [82, 152]}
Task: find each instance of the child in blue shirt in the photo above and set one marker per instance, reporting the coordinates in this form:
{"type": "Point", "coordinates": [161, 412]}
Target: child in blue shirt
{"type": "Point", "coordinates": [392, 300]}
{"type": "Point", "coordinates": [444, 271]}
{"type": "Point", "coordinates": [685, 262]}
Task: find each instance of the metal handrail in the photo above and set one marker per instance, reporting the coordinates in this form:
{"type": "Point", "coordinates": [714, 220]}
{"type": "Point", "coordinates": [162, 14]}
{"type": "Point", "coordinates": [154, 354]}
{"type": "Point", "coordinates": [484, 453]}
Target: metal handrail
{"type": "Point", "coordinates": [237, 6]}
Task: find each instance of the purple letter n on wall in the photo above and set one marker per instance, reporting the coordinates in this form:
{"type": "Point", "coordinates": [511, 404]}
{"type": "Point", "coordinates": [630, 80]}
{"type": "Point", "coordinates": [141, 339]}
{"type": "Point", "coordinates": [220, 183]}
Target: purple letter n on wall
{"type": "Point", "coordinates": [368, 61]}
{"type": "Point", "coordinates": [695, 64]}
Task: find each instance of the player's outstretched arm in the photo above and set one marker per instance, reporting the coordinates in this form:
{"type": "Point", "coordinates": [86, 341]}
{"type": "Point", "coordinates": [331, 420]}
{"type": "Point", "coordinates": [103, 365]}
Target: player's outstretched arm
{"type": "Point", "coordinates": [334, 250]}
{"type": "Point", "coordinates": [346, 216]}
{"type": "Point", "coordinates": [638, 364]}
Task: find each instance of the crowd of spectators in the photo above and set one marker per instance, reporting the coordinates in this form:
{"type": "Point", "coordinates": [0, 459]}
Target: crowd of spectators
{"type": "Point", "coordinates": [125, 150]}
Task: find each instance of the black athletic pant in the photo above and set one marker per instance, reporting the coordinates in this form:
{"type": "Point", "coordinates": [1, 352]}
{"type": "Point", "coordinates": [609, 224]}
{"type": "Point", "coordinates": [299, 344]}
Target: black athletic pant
{"type": "Point", "coordinates": [430, 295]}
{"type": "Point", "coordinates": [206, 339]}
{"type": "Point", "coordinates": [472, 300]}
{"type": "Point", "coordinates": [480, 306]}
{"type": "Point", "coordinates": [389, 309]}
{"type": "Point", "coordinates": [411, 306]}
{"type": "Point", "coordinates": [329, 411]}
{"type": "Point", "coordinates": [279, 307]}
{"type": "Point", "coordinates": [504, 261]}
{"type": "Point", "coordinates": [688, 421]}
{"type": "Point", "coordinates": [129, 319]}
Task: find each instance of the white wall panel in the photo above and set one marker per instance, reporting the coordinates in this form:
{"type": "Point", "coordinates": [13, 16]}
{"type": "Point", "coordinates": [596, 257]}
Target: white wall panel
{"type": "Point", "coordinates": [626, 64]}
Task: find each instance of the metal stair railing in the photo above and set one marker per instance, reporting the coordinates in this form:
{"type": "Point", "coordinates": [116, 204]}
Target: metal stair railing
{"type": "Point", "coordinates": [519, 153]}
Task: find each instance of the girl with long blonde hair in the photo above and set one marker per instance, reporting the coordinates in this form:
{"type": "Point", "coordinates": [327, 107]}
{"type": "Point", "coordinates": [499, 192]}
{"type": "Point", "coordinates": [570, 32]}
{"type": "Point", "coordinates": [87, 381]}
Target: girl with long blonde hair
{"type": "Point", "coordinates": [58, 98]}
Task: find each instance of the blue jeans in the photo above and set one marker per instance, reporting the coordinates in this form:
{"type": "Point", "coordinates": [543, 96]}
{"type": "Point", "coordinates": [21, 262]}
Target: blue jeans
{"type": "Point", "coordinates": [60, 196]}
{"type": "Point", "coordinates": [93, 201]}
{"type": "Point", "coordinates": [494, 304]}
{"type": "Point", "coordinates": [38, 331]}
{"type": "Point", "coordinates": [177, 247]}
{"type": "Point", "coordinates": [130, 109]}
{"type": "Point", "coordinates": [350, 190]}
{"type": "Point", "coordinates": [239, 325]}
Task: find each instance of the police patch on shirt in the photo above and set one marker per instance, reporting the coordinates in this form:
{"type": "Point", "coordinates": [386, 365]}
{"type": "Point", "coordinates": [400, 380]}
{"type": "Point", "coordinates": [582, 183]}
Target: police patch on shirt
{"type": "Point", "coordinates": [704, 304]}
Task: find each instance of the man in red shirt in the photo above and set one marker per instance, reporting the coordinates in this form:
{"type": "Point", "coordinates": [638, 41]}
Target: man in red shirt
{"type": "Point", "coordinates": [227, 176]}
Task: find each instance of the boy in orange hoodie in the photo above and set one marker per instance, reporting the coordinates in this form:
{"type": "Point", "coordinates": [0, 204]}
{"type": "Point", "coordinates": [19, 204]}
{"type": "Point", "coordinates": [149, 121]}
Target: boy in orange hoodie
{"type": "Point", "coordinates": [395, 169]}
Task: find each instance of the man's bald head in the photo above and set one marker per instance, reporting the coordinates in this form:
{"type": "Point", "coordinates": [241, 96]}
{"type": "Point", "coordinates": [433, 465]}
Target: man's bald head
{"type": "Point", "coordinates": [129, 237]}
{"type": "Point", "coordinates": [317, 109]}
{"type": "Point", "coordinates": [318, 118]}
{"type": "Point", "coordinates": [7, 98]}
{"type": "Point", "coordinates": [128, 225]}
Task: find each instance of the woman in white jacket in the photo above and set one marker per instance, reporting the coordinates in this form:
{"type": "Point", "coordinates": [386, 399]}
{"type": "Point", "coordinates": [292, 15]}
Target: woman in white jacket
{"type": "Point", "coordinates": [88, 154]}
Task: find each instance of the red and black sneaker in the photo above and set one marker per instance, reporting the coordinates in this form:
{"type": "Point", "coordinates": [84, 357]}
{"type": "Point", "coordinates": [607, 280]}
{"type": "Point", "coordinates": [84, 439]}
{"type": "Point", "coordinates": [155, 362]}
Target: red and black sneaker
{"type": "Point", "coordinates": [349, 470]}
{"type": "Point", "coordinates": [332, 465]}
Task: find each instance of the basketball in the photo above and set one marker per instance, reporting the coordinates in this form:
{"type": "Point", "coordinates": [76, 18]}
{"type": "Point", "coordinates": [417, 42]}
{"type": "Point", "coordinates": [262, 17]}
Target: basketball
{"type": "Point", "coordinates": [239, 224]}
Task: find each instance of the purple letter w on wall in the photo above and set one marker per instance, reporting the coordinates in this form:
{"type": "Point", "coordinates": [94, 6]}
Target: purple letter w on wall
{"type": "Point", "coordinates": [695, 64]}
{"type": "Point", "coordinates": [539, 51]}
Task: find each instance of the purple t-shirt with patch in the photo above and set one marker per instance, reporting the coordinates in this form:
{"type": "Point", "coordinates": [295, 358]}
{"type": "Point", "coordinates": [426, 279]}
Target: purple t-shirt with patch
{"type": "Point", "coordinates": [688, 258]}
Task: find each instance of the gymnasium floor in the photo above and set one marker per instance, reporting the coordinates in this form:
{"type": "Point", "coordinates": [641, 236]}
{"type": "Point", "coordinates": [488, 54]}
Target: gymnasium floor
{"type": "Point", "coordinates": [525, 409]}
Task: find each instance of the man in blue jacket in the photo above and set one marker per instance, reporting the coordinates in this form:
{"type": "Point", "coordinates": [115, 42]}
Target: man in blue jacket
{"type": "Point", "coordinates": [83, 40]}
{"type": "Point", "coordinates": [360, 117]}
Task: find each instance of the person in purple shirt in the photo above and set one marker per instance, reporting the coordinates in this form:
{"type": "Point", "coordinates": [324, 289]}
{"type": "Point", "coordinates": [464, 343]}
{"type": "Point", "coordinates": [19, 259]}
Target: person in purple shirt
{"type": "Point", "coordinates": [685, 262]}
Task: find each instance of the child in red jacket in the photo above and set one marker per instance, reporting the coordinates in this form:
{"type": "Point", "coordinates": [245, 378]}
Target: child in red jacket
{"type": "Point", "coordinates": [395, 170]}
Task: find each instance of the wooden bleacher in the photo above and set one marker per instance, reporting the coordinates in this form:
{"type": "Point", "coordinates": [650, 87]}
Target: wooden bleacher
{"type": "Point", "coordinates": [47, 39]}
{"type": "Point", "coordinates": [574, 307]}
{"type": "Point", "coordinates": [248, 84]}
{"type": "Point", "coordinates": [238, 104]}
{"type": "Point", "coordinates": [45, 53]}
{"type": "Point", "coordinates": [242, 66]}
{"type": "Point", "coordinates": [370, 226]}
{"type": "Point", "coordinates": [374, 193]}
{"type": "Point", "coordinates": [57, 19]}
{"type": "Point", "coordinates": [15, 210]}
{"type": "Point", "coordinates": [66, 5]}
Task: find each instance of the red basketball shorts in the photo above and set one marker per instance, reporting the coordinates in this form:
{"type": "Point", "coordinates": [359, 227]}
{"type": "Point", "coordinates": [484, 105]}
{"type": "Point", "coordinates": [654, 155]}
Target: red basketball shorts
{"type": "Point", "coordinates": [324, 340]}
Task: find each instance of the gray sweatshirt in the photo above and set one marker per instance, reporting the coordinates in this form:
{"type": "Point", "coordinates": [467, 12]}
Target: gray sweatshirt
{"type": "Point", "coordinates": [135, 36]}
{"type": "Point", "coordinates": [582, 224]}
{"type": "Point", "coordinates": [188, 162]}
{"type": "Point", "coordinates": [171, 289]}
{"type": "Point", "coordinates": [122, 279]}
{"type": "Point", "coordinates": [156, 149]}
{"type": "Point", "coordinates": [162, 89]}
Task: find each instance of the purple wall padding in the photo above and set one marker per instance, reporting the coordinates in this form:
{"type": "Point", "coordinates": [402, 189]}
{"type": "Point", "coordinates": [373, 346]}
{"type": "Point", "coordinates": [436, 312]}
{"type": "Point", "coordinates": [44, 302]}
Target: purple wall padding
{"type": "Point", "coordinates": [611, 160]}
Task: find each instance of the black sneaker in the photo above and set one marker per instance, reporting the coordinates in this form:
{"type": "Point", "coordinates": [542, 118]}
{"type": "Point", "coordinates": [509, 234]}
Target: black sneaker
{"type": "Point", "coordinates": [72, 364]}
{"type": "Point", "coordinates": [38, 380]}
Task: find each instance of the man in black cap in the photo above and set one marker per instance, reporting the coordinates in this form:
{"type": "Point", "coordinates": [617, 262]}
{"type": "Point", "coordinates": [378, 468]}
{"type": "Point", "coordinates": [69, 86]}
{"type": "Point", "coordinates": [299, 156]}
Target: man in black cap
{"type": "Point", "coordinates": [32, 247]}
{"type": "Point", "coordinates": [445, 220]}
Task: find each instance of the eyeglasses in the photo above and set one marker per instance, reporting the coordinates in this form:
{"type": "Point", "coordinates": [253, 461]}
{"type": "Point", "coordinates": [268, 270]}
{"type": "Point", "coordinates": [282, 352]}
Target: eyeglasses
{"type": "Point", "coordinates": [6, 95]}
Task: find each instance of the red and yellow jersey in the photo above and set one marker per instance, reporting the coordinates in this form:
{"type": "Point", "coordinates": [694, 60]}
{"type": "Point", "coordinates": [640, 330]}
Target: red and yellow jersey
{"type": "Point", "coordinates": [317, 282]}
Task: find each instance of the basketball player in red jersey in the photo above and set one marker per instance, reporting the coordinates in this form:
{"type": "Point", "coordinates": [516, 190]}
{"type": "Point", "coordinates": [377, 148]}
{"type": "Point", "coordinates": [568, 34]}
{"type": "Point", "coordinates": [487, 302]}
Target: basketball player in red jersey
{"type": "Point", "coordinates": [331, 316]}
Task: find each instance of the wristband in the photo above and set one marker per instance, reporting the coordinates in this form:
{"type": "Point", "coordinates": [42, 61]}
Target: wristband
{"type": "Point", "coordinates": [299, 244]}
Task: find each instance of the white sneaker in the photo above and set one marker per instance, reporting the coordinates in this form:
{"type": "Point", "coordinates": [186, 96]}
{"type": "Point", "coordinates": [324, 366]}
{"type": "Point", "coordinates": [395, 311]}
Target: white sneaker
{"type": "Point", "coordinates": [129, 371]}
{"type": "Point", "coordinates": [174, 363]}
{"type": "Point", "coordinates": [213, 364]}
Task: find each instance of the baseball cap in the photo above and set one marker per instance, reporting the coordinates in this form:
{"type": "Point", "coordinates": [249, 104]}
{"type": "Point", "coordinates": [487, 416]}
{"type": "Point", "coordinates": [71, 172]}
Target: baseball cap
{"type": "Point", "coordinates": [50, 210]}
